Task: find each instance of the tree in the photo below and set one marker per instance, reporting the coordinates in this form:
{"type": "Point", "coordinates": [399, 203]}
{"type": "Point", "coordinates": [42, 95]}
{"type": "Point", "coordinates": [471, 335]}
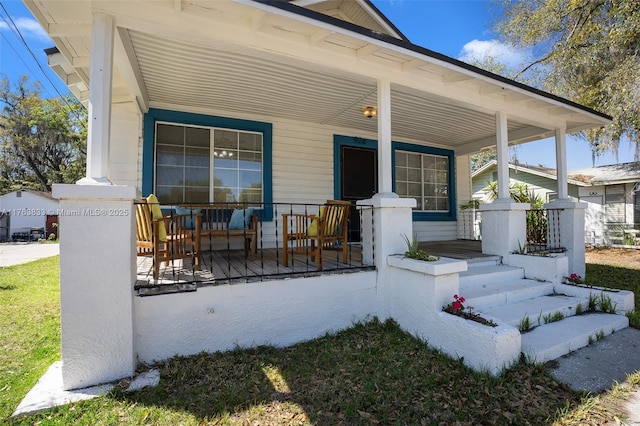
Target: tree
{"type": "Point", "coordinates": [590, 53]}
{"type": "Point", "coordinates": [42, 141]}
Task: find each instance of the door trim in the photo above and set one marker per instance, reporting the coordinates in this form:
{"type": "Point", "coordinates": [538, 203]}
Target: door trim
{"type": "Point", "coordinates": [338, 142]}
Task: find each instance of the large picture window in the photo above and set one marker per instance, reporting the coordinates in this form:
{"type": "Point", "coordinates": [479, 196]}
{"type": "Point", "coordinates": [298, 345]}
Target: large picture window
{"type": "Point", "coordinates": [426, 175]}
{"type": "Point", "coordinates": [203, 164]}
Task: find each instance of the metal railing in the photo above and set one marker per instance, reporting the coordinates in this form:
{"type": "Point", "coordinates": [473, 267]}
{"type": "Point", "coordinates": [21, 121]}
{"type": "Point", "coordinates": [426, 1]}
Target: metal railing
{"type": "Point", "coordinates": [247, 254]}
{"type": "Point", "coordinates": [543, 232]}
{"type": "Point", "coordinates": [469, 224]}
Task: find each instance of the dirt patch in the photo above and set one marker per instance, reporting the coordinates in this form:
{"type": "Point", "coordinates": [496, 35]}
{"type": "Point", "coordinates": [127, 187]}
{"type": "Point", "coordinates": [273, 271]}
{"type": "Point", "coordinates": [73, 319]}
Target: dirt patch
{"type": "Point", "coordinates": [626, 258]}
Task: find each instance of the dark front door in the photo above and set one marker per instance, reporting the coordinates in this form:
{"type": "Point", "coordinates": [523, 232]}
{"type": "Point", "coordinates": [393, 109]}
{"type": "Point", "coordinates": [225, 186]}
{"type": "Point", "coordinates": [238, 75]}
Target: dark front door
{"type": "Point", "coordinates": [358, 180]}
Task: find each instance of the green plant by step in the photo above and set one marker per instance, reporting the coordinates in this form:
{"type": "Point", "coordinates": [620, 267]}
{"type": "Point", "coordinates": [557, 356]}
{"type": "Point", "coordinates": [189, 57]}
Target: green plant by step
{"type": "Point", "coordinates": [413, 252]}
{"type": "Point", "coordinates": [634, 318]}
{"type": "Point", "coordinates": [525, 323]}
{"type": "Point", "coordinates": [579, 309]}
{"type": "Point", "coordinates": [554, 317]}
{"type": "Point", "coordinates": [605, 304]}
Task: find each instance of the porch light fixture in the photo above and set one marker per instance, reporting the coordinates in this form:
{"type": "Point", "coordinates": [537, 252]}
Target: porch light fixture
{"type": "Point", "coordinates": [222, 154]}
{"type": "Point", "coordinates": [370, 111]}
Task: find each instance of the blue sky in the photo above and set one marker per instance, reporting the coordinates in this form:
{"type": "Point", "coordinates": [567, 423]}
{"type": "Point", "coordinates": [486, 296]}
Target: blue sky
{"type": "Point", "coordinates": [457, 28]}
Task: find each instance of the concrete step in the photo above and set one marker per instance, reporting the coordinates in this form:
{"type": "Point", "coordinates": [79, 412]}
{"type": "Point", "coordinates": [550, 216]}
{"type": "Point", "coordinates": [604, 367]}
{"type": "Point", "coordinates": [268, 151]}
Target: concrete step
{"type": "Point", "coordinates": [484, 261]}
{"type": "Point", "coordinates": [551, 341]}
{"type": "Point", "coordinates": [500, 293]}
{"type": "Point", "coordinates": [536, 309]}
{"type": "Point", "coordinates": [481, 275]}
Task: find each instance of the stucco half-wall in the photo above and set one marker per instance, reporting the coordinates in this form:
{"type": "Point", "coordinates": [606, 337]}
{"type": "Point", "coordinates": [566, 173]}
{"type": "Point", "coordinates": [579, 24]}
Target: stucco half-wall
{"type": "Point", "coordinates": [277, 313]}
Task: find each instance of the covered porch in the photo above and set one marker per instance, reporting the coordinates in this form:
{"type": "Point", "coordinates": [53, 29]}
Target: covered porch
{"type": "Point", "coordinates": [273, 102]}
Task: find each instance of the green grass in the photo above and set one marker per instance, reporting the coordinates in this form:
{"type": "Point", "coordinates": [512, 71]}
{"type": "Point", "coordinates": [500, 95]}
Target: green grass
{"type": "Point", "coordinates": [619, 278]}
{"type": "Point", "coordinates": [29, 327]}
{"type": "Point", "coordinates": [373, 373]}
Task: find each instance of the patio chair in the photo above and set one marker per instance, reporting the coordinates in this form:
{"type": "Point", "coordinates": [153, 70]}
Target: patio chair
{"type": "Point", "coordinates": [310, 235]}
{"type": "Point", "coordinates": [166, 237]}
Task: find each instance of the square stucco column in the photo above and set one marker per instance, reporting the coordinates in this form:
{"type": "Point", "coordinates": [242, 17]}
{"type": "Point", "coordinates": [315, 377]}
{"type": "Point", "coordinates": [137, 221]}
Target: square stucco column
{"type": "Point", "coordinates": [571, 226]}
{"type": "Point", "coordinates": [385, 219]}
{"type": "Point", "coordinates": [97, 271]}
{"type": "Point", "coordinates": [503, 227]}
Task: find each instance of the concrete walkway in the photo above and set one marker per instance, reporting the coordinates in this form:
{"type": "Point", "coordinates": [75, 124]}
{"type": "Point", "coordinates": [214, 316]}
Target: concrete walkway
{"type": "Point", "coordinates": [17, 253]}
{"type": "Point", "coordinates": [597, 367]}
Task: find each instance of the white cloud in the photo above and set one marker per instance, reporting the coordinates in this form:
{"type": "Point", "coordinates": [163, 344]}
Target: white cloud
{"type": "Point", "coordinates": [478, 50]}
{"type": "Point", "coordinates": [29, 28]}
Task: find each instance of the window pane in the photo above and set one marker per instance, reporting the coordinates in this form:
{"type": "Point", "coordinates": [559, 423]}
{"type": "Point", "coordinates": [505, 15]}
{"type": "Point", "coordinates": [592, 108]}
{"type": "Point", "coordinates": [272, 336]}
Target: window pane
{"type": "Point", "coordinates": [413, 160]}
{"type": "Point", "coordinates": [414, 175]}
{"type": "Point", "coordinates": [197, 157]}
{"type": "Point", "coordinates": [169, 134]}
{"type": "Point", "coordinates": [225, 160]}
{"type": "Point", "coordinates": [429, 190]}
{"type": "Point", "coordinates": [250, 142]}
{"type": "Point", "coordinates": [401, 189]}
{"type": "Point", "coordinates": [225, 139]}
{"type": "Point", "coordinates": [168, 175]}
{"type": "Point", "coordinates": [197, 194]}
{"type": "Point", "coordinates": [442, 163]}
{"type": "Point", "coordinates": [250, 179]}
{"type": "Point", "coordinates": [429, 162]}
{"type": "Point", "coordinates": [170, 155]}
{"type": "Point", "coordinates": [414, 190]}
{"type": "Point", "coordinates": [250, 196]}
{"type": "Point", "coordinates": [226, 178]}
{"type": "Point", "coordinates": [196, 136]}
{"type": "Point", "coordinates": [196, 176]}
{"type": "Point", "coordinates": [401, 159]}
{"type": "Point", "coordinates": [401, 173]}
{"type": "Point", "coordinates": [169, 194]}
{"type": "Point", "coordinates": [443, 204]}
{"type": "Point", "coordinates": [250, 160]}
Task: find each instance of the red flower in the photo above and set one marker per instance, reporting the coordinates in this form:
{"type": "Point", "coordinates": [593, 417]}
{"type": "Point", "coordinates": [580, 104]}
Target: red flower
{"type": "Point", "coordinates": [456, 306]}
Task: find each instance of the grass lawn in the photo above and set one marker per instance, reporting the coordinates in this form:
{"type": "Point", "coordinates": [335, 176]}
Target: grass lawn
{"type": "Point", "coordinates": [373, 373]}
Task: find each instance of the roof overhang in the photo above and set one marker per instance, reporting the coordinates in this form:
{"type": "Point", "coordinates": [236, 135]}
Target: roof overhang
{"type": "Point", "coordinates": [274, 59]}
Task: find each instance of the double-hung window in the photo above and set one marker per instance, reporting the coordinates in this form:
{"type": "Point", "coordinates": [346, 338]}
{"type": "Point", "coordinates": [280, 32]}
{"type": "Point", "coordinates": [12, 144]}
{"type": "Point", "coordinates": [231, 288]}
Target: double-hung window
{"type": "Point", "coordinates": [425, 174]}
{"type": "Point", "coordinates": [208, 164]}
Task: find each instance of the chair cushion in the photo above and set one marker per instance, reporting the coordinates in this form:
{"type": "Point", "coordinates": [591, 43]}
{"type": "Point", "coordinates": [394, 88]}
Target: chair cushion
{"type": "Point", "coordinates": [191, 221]}
{"type": "Point", "coordinates": [156, 214]}
{"type": "Point", "coordinates": [312, 230]}
{"type": "Point", "coordinates": [241, 218]}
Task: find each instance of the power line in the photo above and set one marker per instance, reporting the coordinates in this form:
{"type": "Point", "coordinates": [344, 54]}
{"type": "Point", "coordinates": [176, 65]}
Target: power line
{"type": "Point", "coordinates": [14, 28]}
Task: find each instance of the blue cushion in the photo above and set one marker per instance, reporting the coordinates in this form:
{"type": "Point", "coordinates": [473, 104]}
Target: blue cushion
{"type": "Point", "coordinates": [191, 222]}
{"type": "Point", "coordinates": [241, 218]}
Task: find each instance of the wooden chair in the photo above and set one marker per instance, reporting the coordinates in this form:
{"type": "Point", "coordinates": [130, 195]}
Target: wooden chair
{"type": "Point", "coordinates": [167, 237]}
{"type": "Point", "coordinates": [312, 234]}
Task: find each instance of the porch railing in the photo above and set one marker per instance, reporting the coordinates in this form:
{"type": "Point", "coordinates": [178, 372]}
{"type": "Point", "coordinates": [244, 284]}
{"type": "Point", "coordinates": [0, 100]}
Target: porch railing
{"type": "Point", "coordinates": [469, 224]}
{"type": "Point", "coordinates": [543, 232]}
{"type": "Point", "coordinates": [233, 256]}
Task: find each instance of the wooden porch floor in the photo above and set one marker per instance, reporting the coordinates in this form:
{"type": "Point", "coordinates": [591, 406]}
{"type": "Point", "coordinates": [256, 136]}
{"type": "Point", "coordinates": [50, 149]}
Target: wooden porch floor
{"type": "Point", "coordinates": [227, 266]}
{"type": "Point", "coordinates": [230, 266]}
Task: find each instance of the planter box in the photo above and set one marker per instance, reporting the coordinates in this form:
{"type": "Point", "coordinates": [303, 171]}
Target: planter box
{"type": "Point", "coordinates": [551, 268]}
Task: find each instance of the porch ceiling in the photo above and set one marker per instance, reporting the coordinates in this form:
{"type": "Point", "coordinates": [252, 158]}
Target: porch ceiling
{"type": "Point", "coordinates": [201, 77]}
{"type": "Point", "coordinates": [269, 59]}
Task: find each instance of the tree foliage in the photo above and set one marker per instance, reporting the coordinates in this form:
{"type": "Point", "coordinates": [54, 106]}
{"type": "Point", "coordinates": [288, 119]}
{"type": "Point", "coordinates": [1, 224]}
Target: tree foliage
{"type": "Point", "coordinates": [590, 53]}
{"type": "Point", "coordinates": [42, 141]}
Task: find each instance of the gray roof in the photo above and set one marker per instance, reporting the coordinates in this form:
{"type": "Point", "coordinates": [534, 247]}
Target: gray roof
{"type": "Point", "coordinates": [614, 173]}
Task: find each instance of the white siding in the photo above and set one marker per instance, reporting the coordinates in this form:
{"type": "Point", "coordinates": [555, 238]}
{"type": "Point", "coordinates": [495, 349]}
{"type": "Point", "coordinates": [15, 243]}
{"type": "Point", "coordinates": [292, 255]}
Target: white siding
{"type": "Point", "coordinates": [123, 150]}
{"type": "Point", "coordinates": [29, 210]}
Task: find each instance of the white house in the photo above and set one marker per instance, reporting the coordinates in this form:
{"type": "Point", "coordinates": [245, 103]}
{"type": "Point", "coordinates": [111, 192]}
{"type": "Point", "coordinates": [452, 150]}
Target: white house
{"type": "Point", "coordinates": [610, 192]}
{"type": "Point", "coordinates": [285, 105]}
{"type": "Point", "coordinates": [28, 214]}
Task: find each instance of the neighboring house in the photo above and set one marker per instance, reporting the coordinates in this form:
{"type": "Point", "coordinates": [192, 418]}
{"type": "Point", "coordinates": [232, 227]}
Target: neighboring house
{"type": "Point", "coordinates": [611, 194]}
{"type": "Point", "coordinates": [282, 105]}
{"type": "Point", "coordinates": [28, 215]}
{"type": "Point", "coordinates": [542, 181]}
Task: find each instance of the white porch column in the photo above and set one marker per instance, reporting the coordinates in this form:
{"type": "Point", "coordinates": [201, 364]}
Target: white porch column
{"type": "Point", "coordinates": [97, 272]}
{"type": "Point", "coordinates": [385, 185]}
{"type": "Point", "coordinates": [385, 219]}
{"type": "Point", "coordinates": [561, 164]}
{"type": "Point", "coordinates": [502, 149]}
{"type": "Point", "coordinates": [100, 74]}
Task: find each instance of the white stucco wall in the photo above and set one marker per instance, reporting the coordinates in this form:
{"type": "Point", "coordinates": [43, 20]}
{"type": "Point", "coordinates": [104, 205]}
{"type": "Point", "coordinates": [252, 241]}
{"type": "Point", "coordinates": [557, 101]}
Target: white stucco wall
{"type": "Point", "coordinates": [29, 210]}
{"type": "Point", "coordinates": [278, 313]}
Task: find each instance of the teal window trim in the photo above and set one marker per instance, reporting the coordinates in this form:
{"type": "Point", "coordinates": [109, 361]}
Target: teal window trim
{"type": "Point", "coordinates": [338, 142]}
{"type": "Point", "coordinates": [419, 216]}
{"type": "Point", "coordinates": [179, 117]}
